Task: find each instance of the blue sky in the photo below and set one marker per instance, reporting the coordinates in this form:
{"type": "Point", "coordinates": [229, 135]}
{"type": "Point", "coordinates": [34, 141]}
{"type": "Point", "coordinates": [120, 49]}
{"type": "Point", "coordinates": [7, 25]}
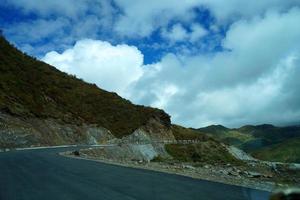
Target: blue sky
{"type": "Point", "coordinates": [204, 62]}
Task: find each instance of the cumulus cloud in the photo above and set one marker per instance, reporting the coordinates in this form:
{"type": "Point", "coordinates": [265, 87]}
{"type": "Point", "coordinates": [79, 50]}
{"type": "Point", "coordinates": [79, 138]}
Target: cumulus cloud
{"type": "Point", "coordinates": [251, 78]}
{"type": "Point", "coordinates": [140, 20]}
{"type": "Point", "coordinates": [112, 68]}
{"type": "Point", "coordinates": [59, 24]}
{"type": "Point", "coordinates": [226, 10]}
{"type": "Point", "coordinates": [159, 13]}
{"type": "Point", "coordinates": [132, 18]}
{"type": "Point", "coordinates": [252, 82]}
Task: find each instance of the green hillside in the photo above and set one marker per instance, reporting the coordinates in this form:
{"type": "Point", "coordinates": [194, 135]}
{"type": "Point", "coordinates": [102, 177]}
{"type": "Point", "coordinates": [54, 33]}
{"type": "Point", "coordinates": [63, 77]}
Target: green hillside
{"type": "Point", "coordinates": [31, 88]}
{"type": "Point", "coordinates": [226, 135]}
{"type": "Point", "coordinates": [287, 151]}
{"type": "Point", "coordinates": [264, 141]}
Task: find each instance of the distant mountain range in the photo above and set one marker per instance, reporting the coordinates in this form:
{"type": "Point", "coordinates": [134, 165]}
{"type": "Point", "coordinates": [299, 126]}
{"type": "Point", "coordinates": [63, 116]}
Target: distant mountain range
{"type": "Point", "coordinates": [264, 141]}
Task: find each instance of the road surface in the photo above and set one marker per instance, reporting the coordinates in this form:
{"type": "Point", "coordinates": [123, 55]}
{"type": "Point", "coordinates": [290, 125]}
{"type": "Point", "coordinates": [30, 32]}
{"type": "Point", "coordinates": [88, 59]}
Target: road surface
{"type": "Point", "coordinates": [42, 174]}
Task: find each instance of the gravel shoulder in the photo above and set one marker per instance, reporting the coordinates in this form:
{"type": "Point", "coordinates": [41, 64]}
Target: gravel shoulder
{"type": "Point", "coordinates": [222, 174]}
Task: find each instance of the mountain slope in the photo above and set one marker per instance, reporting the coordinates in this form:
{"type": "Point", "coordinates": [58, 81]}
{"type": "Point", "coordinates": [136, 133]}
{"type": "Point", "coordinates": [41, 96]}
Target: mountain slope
{"type": "Point", "coordinates": [226, 135]}
{"type": "Point", "coordinates": [32, 89]}
{"type": "Point", "coordinates": [287, 151]}
{"type": "Point", "coordinates": [262, 141]}
{"type": "Point", "coordinates": [40, 105]}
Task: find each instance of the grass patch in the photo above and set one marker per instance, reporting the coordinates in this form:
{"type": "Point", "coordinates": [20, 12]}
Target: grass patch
{"type": "Point", "coordinates": [158, 159]}
{"type": "Point", "coordinates": [210, 152]}
{"type": "Point", "coordinates": [182, 133]}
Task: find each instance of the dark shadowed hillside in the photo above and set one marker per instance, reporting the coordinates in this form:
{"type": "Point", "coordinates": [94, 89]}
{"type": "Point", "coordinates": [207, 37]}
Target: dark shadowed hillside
{"type": "Point", "coordinates": [31, 88]}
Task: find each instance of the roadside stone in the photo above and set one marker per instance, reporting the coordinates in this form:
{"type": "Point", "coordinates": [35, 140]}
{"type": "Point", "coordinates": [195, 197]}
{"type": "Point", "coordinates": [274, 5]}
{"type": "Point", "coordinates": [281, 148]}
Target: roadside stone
{"type": "Point", "coordinates": [267, 176]}
{"type": "Point", "coordinates": [233, 173]}
{"type": "Point", "coordinates": [223, 171]}
{"type": "Point", "coordinates": [76, 153]}
{"type": "Point", "coordinates": [206, 166]}
{"type": "Point", "coordinates": [254, 175]}
{"type": "Point", "coordinates": [140, 161]}
{"type": "Point", "coordinates": [188, 167]}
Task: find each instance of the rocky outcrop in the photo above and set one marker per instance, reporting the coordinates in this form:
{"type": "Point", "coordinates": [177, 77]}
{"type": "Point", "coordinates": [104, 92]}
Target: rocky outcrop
{"type": "Point", "coordinates": [154, 130]}
{"type": "Point", "coordinates": [144, 144]}
{"type": "Point", "coordinates": [239, 154]}
{"type": "Point", "coordinates": [27, 132]}
{"type": "Point", "coordinates": [151, 135]}
{"type": "Point", "coordinates": [123, 153]}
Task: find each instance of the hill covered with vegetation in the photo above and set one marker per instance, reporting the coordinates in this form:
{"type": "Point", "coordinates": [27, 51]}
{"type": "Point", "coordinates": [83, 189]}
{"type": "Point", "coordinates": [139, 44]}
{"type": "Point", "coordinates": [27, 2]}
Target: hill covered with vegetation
{"type": "Point", "coordinates": [31, 88]}
{"type": "Point", "coordinates": [264, 141]}
{"type": "Point", "coordinates": [287, 151]}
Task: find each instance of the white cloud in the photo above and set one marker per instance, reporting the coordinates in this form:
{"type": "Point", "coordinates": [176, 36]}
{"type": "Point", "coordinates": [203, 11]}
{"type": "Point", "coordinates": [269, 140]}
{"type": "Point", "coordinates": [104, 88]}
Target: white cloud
{"type": "Point", "coordinates": [252, 83]}
{"type": "Point", "coordinates": [112, 68]}
{"type": "Point", "coordinates": [197, 32]}
{"type": "Point", "coordinates": [59, 24]}
{"type": "Point", "coordinates": [224, 10]}
{"type": "Point", "coordinates": [177, 33]}
{"type": "Point", "coordinates": [139, 19]}
{"type": "Point", "coordinates": [257, 102]}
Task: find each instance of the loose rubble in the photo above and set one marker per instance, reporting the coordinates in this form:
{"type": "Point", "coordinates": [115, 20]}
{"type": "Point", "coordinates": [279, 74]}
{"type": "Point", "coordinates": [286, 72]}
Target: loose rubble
{"type": "Point", "coordinates": [253, 174]}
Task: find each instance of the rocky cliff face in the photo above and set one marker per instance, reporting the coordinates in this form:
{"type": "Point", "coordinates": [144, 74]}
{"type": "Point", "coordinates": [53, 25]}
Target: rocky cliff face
{"type": "Point", "coordinates": [146, 142]}
{"type": "Point", "coordinates": [28, 132]}
{"type": "Point", "coordinates": [142, 144]}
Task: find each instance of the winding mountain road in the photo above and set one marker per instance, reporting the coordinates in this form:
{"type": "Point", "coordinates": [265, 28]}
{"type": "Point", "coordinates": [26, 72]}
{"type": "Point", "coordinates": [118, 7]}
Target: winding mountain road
{"type": "Point", "coordinates": [42, 174]}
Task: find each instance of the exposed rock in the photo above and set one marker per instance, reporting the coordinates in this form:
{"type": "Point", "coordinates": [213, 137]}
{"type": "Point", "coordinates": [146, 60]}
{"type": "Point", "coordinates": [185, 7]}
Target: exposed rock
{"type": "Point", "coordinates": [188, 167]}
{"type": "Point", "coordinates": [146, 150]}
{"type": "Point", "coordinates": [224, 171]}
{"type": "Point", "coordinates": [76, 153]}
{"type": "Point", "coordinates": [254, 174]}
{"type": "Point", "coordinates": [239, 154]}
{"type": "Point", "coordinates": [294, 166]}
{"type": "Point", "coordinates": [124, 152]}
{"type": "Point", "coordinates": [151, 136]}
{"type": "Point", "coordinates": [206, 166]}
{"type": "Point", "coordinates": [98, 135]}
{"type": "Point", "coordinates": [27, 132]}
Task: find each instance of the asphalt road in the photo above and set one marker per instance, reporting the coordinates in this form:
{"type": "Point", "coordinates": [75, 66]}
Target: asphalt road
{"type": "Point", "coordinates": [42, 175]}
